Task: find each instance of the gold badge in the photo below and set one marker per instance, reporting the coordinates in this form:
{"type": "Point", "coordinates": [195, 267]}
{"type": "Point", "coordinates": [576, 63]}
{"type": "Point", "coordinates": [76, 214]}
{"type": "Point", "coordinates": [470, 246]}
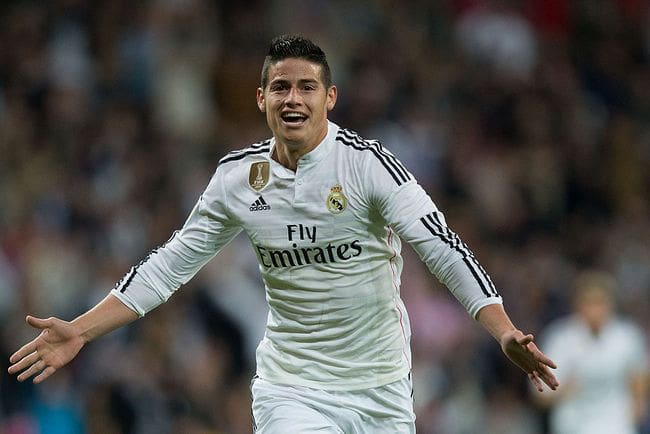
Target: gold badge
{"type": "Point", "coordinates": [258, 176]}
{"type": "Point", "coordinates": [336, 200]}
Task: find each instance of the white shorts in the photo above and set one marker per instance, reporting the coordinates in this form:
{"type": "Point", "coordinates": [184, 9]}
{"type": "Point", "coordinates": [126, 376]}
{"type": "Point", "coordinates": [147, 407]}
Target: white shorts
{"type": "Point", "coordinates": [285, 409]}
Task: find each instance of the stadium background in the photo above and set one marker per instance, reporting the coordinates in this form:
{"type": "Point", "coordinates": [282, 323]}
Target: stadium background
{"type": "Point", "coordinates": [527, 121]}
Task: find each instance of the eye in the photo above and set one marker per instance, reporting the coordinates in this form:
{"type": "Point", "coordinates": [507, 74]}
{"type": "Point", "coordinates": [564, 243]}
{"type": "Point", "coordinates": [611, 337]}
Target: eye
{"type": "Point", "coordinates": [309, 87]}
{"type": "Point", "coordinates": [277, 87]}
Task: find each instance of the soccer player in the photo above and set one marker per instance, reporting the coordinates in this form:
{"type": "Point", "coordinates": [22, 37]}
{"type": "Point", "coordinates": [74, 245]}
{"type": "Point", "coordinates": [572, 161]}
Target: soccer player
{"type": "Point", "coordinates": [603, 364]}
{"type": "Point", "coordinates": [324, 210]}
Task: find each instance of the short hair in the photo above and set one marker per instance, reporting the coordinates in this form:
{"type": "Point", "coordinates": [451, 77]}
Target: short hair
{"type": "Point", "coordinates": [295, 46]}
{"type": "Point", "coordinates": [595, 281]}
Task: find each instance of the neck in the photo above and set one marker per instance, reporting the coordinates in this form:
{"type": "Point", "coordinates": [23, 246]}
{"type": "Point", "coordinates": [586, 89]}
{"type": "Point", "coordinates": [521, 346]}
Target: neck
{"type": "Point", "coordinates": [288, 154]}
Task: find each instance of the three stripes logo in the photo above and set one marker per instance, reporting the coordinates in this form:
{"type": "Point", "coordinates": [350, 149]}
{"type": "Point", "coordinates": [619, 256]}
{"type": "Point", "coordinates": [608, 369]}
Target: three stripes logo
{"type": "Point", "coordinates": [259, 205]}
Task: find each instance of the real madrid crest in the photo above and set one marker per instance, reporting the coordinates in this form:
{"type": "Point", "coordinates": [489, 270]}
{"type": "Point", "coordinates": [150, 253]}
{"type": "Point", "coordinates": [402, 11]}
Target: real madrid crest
{"type": "Point", "coordinates": [336, 200]}
{"type": "Point", "coordinates": [258, 177]}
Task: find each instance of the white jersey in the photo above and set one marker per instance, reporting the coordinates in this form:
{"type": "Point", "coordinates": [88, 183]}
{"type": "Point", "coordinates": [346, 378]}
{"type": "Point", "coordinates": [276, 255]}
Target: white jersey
{"type": "Point", "coordinates": [597, 369]}
{"type": "Point", "coordinates": [326, 238]}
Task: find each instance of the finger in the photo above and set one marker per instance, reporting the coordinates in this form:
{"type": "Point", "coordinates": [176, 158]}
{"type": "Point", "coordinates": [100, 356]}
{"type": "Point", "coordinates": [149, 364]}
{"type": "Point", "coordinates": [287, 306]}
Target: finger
{"type": "Point", "coordinates": [26, 349]}
{"type": "Point", "coordinates": [23, 363]}
{"type": "Point", "coordinates": [38, 323]}
{"type": "Point", "coordinates": [43, 375]}
{"type": "Point", "coordinates": [552, 383]}
{"type": "Point", "coordinates": [33, 369]}
{"type": "Point", "coordinates": [536, 381]}
{"type": "Point", "coordinates": [546, 361]}
{"type": "Point", "coordinates": [544, 374]}
{"type": "Point", "coordinates": [541, 357]}
{"type": "Point", "coordinates": [548, 378]}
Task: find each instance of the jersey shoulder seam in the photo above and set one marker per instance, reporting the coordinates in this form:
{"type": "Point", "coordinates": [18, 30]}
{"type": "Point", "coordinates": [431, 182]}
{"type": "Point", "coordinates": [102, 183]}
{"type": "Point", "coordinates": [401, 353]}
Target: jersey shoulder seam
{"type": "Point", "coordinates": [240, 154]}
{"type": "Point", "coordinates": [392, 165]}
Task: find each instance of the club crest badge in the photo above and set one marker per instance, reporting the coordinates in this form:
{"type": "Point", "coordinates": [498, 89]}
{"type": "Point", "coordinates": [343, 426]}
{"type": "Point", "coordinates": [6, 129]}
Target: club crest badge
{"type": "Point", "coordinates": [336, 201]}
{"type": "Point", "coordinates": [258, 177]}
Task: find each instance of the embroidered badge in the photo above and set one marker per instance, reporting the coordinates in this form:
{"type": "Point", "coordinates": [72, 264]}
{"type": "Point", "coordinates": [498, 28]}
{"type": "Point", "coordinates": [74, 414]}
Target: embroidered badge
{"type": "Point", "coordinates": [258, 177]}
{"type": "Point", "coordinates": [336, 200]}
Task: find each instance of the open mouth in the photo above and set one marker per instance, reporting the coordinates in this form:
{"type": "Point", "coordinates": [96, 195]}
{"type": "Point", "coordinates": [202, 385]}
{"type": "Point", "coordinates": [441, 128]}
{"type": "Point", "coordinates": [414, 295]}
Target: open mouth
{"type": "Point", "coordinates": [293, 118]}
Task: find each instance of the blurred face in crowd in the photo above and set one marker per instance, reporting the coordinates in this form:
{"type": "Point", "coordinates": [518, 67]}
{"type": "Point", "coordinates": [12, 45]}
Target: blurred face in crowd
{"type": "Point", "coordinates": [296, 102]}
{"type": "Point", "coordinates": [594, 306]}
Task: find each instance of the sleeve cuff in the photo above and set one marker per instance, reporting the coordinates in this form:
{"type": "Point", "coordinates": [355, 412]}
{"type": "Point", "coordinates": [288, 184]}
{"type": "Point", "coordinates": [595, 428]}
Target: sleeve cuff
{"type": "Point", "coordinates": [128, 302]}
{"type": "Point", "coordinates": [480, 304]}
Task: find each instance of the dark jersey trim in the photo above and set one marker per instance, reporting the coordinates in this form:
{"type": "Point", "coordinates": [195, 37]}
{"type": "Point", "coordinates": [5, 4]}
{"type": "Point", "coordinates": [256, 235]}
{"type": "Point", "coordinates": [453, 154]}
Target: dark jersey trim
{"type": "Point", "coordinates": [433, 223]}
{"type": "Point", "coordinates": [124, 283]}
{"type": "Point", "coordinates": [388, 160]}
{"type": "Point", "coordinates": [257, 148]}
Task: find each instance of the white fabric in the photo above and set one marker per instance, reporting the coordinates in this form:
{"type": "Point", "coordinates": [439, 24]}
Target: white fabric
{"type": "Point", "coordinates": [336, 320]}
{"type": "Point", "coordinates": [598, 369]}
{"type": "Point", "coordinates": [282, 409]}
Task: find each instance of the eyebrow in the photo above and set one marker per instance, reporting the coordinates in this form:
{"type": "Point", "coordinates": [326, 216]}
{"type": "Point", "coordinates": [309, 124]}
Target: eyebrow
{"type": "Point", "coordinates": [301, 81]}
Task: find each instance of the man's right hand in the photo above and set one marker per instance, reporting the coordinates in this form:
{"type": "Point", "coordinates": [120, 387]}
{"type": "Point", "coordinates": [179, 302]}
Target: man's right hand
{"type": "Point", "coordinates": [57, 344]}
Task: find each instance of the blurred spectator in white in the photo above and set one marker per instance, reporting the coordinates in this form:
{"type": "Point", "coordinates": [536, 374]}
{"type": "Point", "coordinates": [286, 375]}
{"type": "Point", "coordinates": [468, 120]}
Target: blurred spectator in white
{"type": "Point", "coordinates": [602, 364]}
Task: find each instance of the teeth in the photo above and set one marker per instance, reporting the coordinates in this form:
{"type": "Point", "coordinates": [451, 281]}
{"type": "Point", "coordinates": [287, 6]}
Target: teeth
{"type": "Point", "coordinates": [292, 116]}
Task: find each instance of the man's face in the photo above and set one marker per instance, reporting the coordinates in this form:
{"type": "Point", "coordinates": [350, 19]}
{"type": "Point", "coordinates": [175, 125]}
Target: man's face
{"type": "Point", "coordinates": [296, 103]}
{"type": "Point", "coordinates": [595, 307]}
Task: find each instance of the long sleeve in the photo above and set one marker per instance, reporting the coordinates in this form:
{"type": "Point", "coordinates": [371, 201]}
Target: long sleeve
{"type": "Point", "coordinates": [409, 210]}
{"type": "Point", "coordinates": [206, 231]}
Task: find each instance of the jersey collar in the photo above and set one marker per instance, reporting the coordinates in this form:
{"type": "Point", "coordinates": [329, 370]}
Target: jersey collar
{"type": "Point", "coordinates": [319, 151]}
{"type": "Point", "coordinates": [323, 147]}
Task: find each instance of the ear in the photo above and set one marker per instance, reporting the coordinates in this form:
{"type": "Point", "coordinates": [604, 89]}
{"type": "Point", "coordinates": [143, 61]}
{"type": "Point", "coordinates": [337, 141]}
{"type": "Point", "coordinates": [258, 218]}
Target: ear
{"type": "Point", "coordinates": [260, 100]}
{"type": "Point", "coordinates": [331, 97]}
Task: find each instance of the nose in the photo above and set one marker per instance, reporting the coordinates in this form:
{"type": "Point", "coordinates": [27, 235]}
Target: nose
{"type": "Point", "coordinates": [293, 97]}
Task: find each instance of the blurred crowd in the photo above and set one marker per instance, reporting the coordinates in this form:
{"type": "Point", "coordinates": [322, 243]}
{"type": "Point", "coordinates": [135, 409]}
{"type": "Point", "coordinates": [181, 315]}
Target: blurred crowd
{"type": "Point", "coordinates": [528, 122]}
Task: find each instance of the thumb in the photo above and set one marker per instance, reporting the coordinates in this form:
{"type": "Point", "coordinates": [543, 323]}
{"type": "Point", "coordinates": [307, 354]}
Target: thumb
{"type": "Point", "coordinates": [38, 323]}
{"type": "Point", "coordinates": [525, 339]}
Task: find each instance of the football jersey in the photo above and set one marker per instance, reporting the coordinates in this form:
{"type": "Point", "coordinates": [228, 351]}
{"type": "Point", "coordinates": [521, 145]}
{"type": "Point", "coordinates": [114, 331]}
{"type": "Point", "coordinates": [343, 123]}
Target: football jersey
{"type": "Point", "coordinates": [327, 239]}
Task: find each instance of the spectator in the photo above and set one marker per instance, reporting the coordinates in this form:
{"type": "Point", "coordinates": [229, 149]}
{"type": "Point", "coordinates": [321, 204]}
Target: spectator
{"type": "Point", "coordinates": [602, 361]}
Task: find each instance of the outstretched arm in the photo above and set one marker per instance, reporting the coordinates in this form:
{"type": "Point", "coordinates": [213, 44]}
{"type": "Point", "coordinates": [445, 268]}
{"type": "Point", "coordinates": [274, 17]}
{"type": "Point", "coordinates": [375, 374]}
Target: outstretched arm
{"type": "Point", "coordinates": [60, 341]}
{"type": "Point", "coordinates": [519, 348]}
{"type": "Point", "coordinates": [409, 210]}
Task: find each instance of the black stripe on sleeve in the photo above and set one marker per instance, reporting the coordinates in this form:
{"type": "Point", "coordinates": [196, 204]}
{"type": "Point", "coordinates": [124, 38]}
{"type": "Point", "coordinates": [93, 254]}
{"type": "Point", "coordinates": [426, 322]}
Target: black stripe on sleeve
{"type": "Point", "coordinates": [391, 159]}
{"type": "Point", "coordinates": [124, 283]}
{"type": "Point", "coordinates": [258, 148]}
{"type": "Point", "coordinates": [388, 160]}
{"type": "Point", "coordinates": [385, 153]}
{"type": "Point", "coordinates": [470, 254]}
{"type": "Point", "coordinates": [126, 280]}
{"type": "Point", "coordinates": [379, 151]}
{"type": "Point", "coordinates": [453, 240]}
{"type": "Point", "coordinates": [399, 181]}
{"type": "Point", "coordinates": [354, 138]}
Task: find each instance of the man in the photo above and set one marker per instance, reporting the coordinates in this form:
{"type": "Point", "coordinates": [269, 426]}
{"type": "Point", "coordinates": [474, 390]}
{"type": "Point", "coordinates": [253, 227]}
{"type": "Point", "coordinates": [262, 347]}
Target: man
{"type": "Point", "coordinates": [603, 364]}
{"type": "Point", "coordinates": [323, 209]}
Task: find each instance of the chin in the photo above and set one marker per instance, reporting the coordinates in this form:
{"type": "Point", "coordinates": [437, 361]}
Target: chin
{"type": "Point", "coordinates": [295, 138]}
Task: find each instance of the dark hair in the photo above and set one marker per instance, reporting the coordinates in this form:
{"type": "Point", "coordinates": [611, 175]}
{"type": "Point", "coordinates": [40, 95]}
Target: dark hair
{"type": "Point", "coordinates": [294, 46]}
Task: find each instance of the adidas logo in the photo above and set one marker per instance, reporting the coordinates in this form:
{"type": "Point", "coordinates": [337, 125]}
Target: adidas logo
{"type": "Point", "coordinates": [259, 205]}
